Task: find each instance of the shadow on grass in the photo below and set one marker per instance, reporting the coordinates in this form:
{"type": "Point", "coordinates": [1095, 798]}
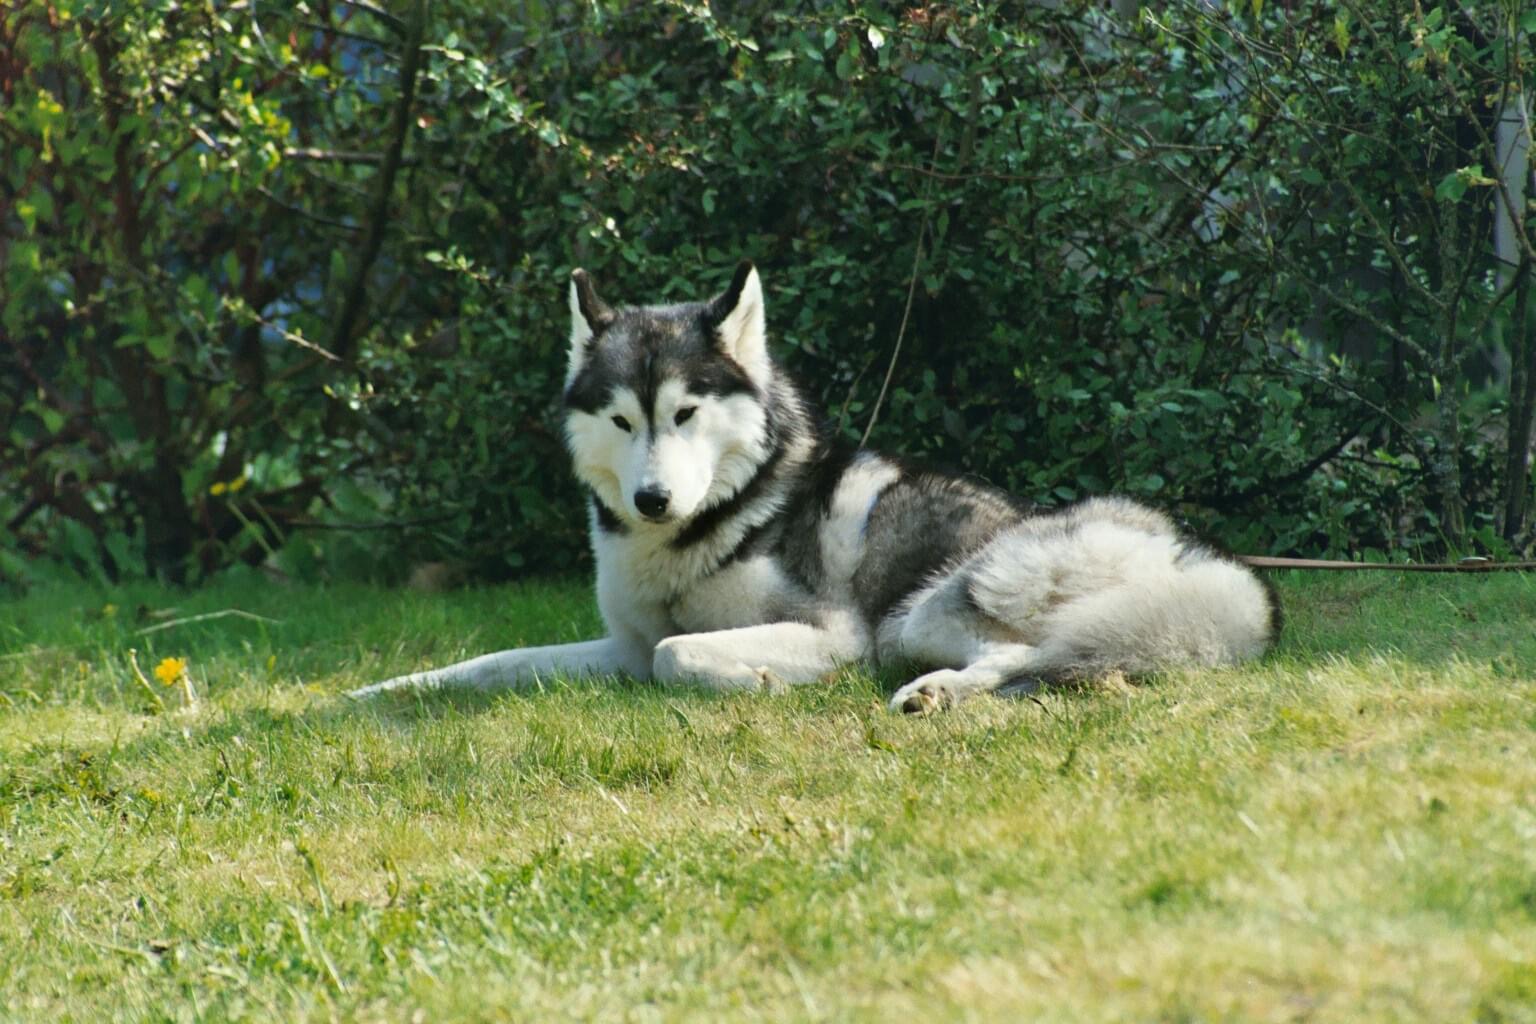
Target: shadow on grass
{"type": "Point", "coordinates": [348, 637]}
{"type": "Point", "coordinates": [1425, 619]}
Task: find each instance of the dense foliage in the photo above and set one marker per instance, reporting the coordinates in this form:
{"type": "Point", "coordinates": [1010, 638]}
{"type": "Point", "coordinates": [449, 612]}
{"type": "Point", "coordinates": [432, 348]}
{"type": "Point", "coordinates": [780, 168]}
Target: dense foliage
{"type": "Point", "coordinates": [267, 271]}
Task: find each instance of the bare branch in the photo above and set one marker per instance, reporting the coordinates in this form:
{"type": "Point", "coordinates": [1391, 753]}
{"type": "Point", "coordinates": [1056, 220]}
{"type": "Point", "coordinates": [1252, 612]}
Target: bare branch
{"type": "Point", "coordinates": [394, 23]}
{"type": "Point", "coordinates": [288, 336]}
{"type": "Point", "coordinates": [338, 156]}
{"type": "Point", "coordinates": [272, 197]}
{"type": "Point", "coordinates": [344, 34]}
{"type": "Point", "coordinates": [352, 300]}
{"type": "Point", "coordinates": [1490, 154]}
{"type": "Point", "coordinates": [901, 332]}
{"type": "Point", "coordinates": [1297, 368]}
{"type": "Point", "coordinates": [1374, 320]}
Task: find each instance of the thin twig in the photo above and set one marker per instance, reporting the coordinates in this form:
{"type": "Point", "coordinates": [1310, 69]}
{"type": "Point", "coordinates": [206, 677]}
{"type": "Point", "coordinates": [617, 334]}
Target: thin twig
{"type": "Point", "coordinates": [204, 618]}
{"type": "Point", "coordinates": [1489, 152]}
{"type": "Point", "coordinates": [329, 222]}
{"type": "Point", "coordinates": [138, 675]}
{"type": "Point", "coordinates": [389, 524]}
{"type": "Point", "coordinates": [378, 12]}
{"type": "Point", "coordinates": [842, 412]}
{"type": "Point", "coordinates": [1375, 321]}
{"type": "Point", "coordinates": [1423, 452]}
{"type": "Point", "coordinates": [31, 651]}
{"type": "Point", "coordinates": [289, 336]}
{"type": "Point", "coordinates": [901, 332]}
{"type": "Point", "coordinates": [113, 947]}
{"type": "Point", "coordinates": [337, 156]}
{"type": "Point", "coordinates": [344, 34]}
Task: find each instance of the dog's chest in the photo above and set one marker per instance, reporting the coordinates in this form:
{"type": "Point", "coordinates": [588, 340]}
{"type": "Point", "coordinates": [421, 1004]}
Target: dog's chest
{"type": "Point", "coordinates": [655, 580]}
{"type": "Point", "coordinates": [647, 568]}
{"type": "Point", "coordinates": [745, 593]}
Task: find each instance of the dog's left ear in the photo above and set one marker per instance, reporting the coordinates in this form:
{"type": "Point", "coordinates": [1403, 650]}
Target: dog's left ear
{"type": "Point", "coordinates": [736, 317]}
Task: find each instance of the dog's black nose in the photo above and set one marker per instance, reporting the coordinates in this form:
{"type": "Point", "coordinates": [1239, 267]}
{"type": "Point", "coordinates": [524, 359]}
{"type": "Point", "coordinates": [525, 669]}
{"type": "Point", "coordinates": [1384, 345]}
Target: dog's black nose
{"type": "Point", "coordinates": [652, 502]}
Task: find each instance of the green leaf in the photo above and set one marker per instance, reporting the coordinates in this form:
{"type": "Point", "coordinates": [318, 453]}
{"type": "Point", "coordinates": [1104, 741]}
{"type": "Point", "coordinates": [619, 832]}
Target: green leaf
{"type": "Point", "coordinates": [875, 742]}
{"type": "Point", "coordinates": [1451, 188]}
{"type": "Point", "coordinates": [847, 65]}
{"type": "Point", "coordinates": [27, 255]}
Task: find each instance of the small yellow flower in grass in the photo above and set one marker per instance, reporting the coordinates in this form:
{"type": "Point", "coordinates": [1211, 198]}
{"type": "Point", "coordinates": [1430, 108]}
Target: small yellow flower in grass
{"type": "Point", "coordinates": [170, 671]}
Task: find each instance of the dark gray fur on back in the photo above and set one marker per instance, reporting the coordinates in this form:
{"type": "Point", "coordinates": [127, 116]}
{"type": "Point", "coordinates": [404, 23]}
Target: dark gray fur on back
{"type": "Point", "coordinates": [921, 524]}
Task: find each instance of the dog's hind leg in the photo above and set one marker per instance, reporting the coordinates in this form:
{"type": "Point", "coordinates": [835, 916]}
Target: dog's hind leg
{"type": "Point", "coordinates": [971, 651]}
{"type": "Point", "coordinates": [1001, 665]}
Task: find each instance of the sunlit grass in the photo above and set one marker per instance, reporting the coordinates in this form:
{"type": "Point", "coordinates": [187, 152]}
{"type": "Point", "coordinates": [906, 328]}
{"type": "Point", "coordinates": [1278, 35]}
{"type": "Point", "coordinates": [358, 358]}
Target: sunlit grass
{"type": "Point", "coordinates": [1346, 831]}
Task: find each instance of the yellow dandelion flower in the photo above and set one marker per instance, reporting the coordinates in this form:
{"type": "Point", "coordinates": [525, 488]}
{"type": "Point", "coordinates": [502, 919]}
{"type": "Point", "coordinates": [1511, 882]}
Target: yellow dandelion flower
{"type": "Point", "coordinates": [170, 671]}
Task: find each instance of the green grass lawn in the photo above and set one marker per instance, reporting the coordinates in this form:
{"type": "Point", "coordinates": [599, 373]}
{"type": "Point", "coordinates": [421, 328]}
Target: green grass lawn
{"type": "Point", "coordinates": [1346, 831]}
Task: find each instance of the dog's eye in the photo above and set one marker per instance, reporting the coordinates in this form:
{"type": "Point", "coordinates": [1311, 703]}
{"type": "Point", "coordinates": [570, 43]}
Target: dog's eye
{"type": "Point", "coordinates": [622, 424]}
{"type": "Point", "coordinates": [684, 415]}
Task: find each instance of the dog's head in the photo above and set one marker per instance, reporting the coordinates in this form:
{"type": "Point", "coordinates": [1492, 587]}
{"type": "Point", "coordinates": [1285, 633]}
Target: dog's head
{"type": "Point", "coordinates": [665, 411]}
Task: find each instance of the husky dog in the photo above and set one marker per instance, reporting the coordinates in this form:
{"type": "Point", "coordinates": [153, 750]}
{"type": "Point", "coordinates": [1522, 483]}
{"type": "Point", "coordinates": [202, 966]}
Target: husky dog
{"type": "Point", "coordinates": [739, 547]}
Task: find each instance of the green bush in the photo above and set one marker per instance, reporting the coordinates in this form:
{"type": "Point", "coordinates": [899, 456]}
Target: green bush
{"type": "Point", "coordinates": [1169, 255]}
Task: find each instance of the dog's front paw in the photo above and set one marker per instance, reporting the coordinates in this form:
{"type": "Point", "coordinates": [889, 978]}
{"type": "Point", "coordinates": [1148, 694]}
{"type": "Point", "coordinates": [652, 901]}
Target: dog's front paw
{"type": "Point", "coordinates": [767, 682]}
{"type": "Point", "coordinates": [926, 694]}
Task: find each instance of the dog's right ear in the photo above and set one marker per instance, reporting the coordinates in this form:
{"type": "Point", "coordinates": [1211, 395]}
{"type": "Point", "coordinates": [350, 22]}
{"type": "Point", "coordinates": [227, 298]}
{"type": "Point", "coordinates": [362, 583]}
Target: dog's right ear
{"type": "Point", "coordinates": [736, 316]}
{"type": "Point", "coordinates": [589, 314]}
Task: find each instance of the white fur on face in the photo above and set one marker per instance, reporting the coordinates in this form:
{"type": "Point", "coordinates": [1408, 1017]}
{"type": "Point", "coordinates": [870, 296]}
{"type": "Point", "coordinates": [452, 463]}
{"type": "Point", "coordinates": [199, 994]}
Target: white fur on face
{"type": "Point", "coordinates": [699, 462]}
